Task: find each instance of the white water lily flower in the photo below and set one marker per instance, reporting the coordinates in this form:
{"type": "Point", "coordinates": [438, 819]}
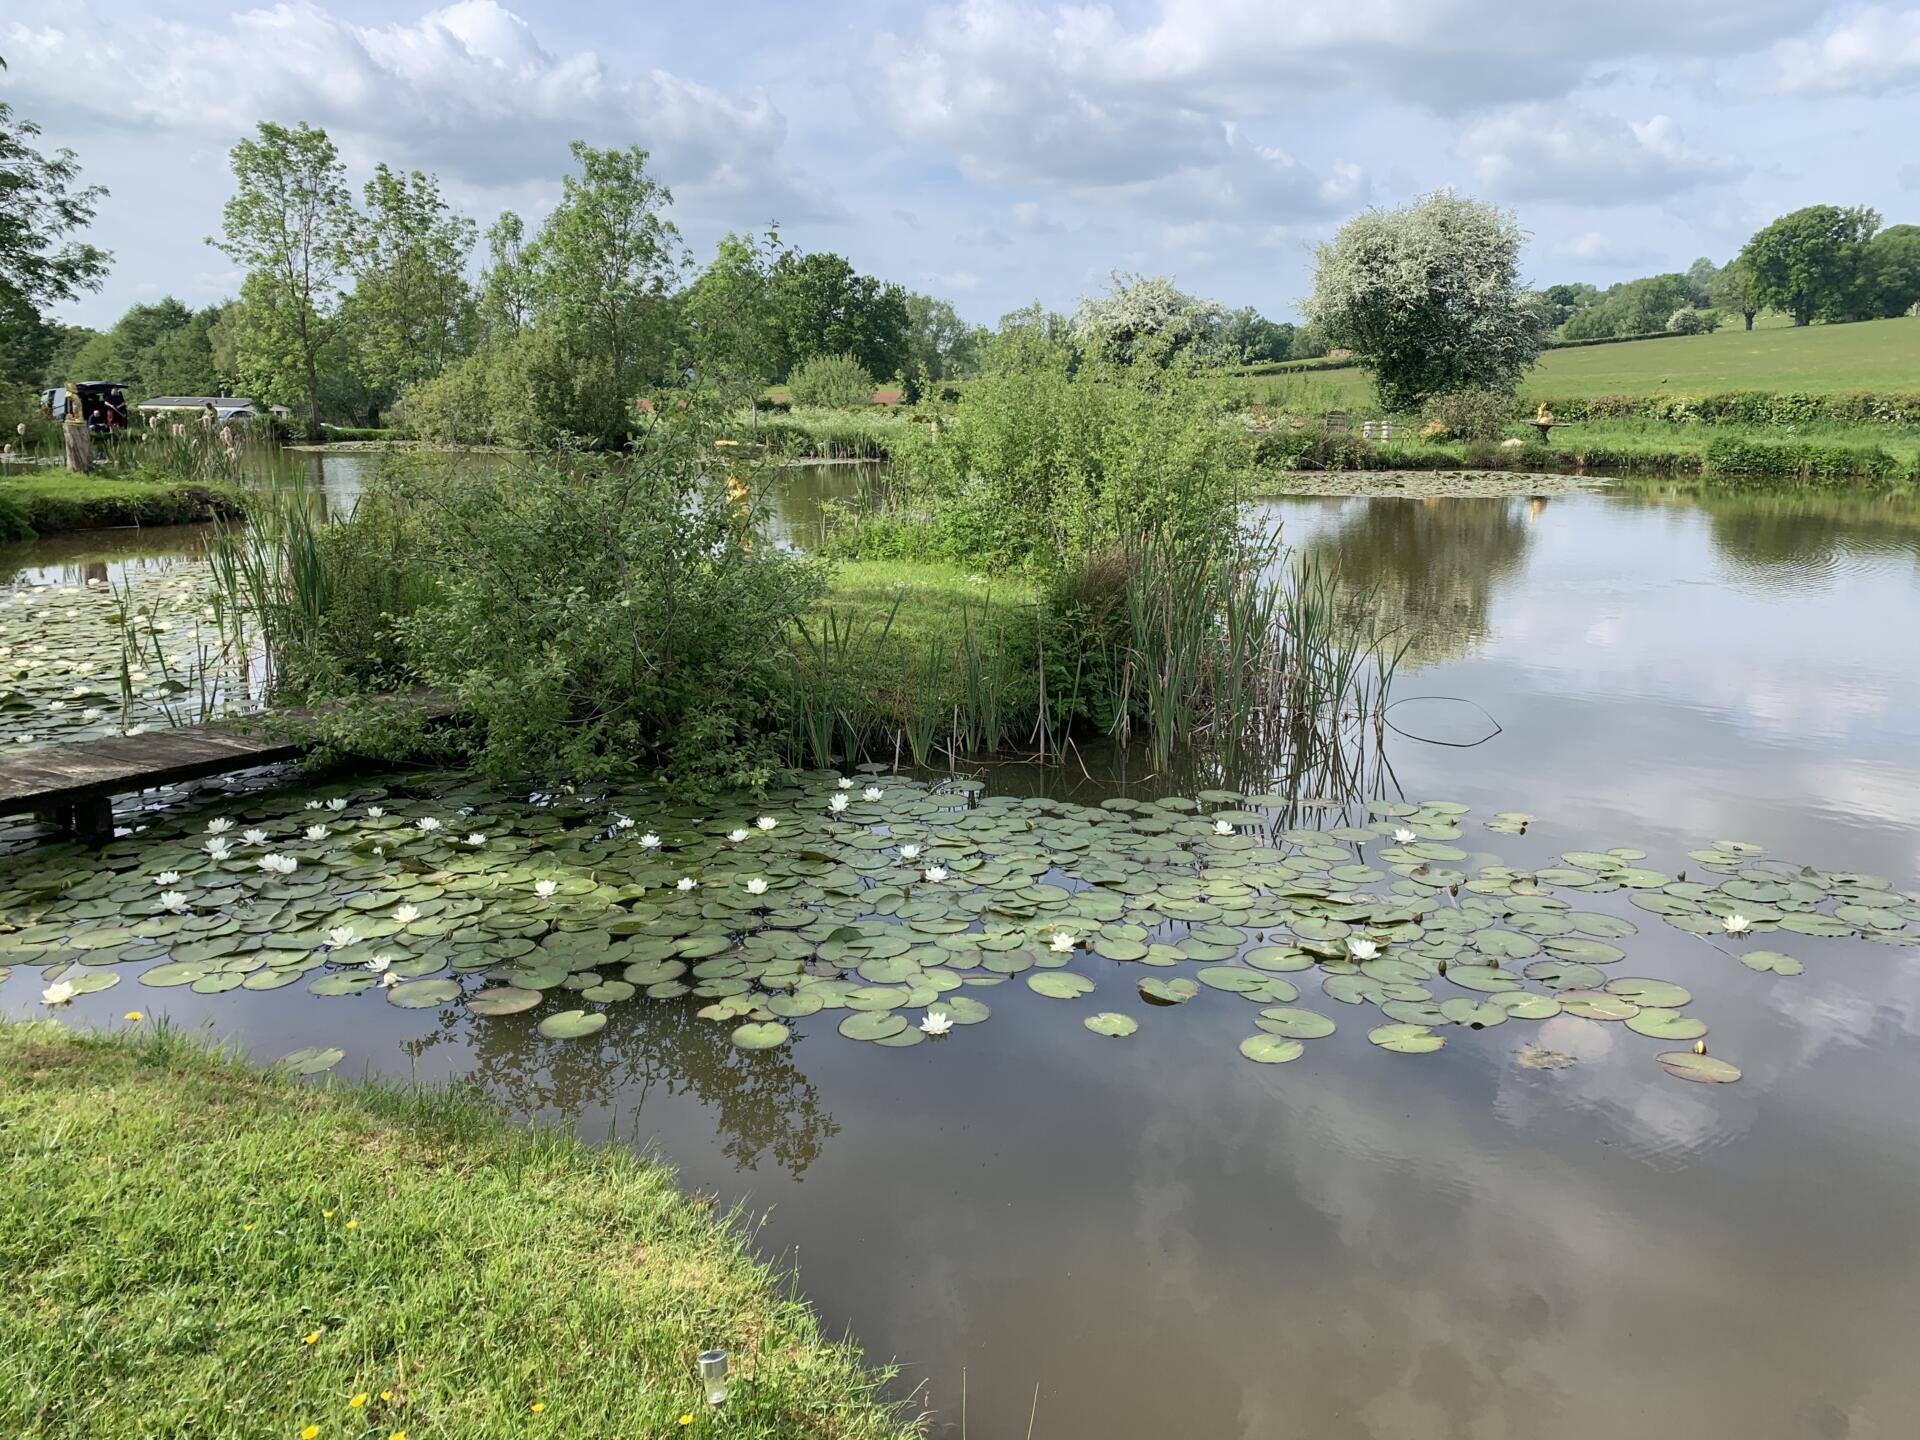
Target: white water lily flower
{"type": "Point", "coordinates": [389, 980]}
{"type": "Point", "coordinates": [1404, 836]}
{"type": "Point", "coordinates": [219, 826]}
{"type": "Point", "coordinates": [766, 822]}
{"type": "Point", "coordinates": [1737, 924]}
{"type": "Point", "coordinates": [872, 793]}
{"type": "Point", "coordinates": [376, 812]}
{"type": "Point", "coordinates": [406, 914]}
{"type": "Point", "coordinates": [217, 849]}
{"type": "Point", "coordinates": [279, 864]}
{"type": "Point", "coordinates": [649, 841]}
{"type": "Point", "coordinates": [477, 838]}
{"type": "Point", "coordinates": [545, 889]}
{"type": "Point", "coordinates": [756, 886]}
{"type": "Point", "coordinates": [936, 1022]}
{"type": "Point", "coordinates": [844, 783]}
{"type": "Point", "coordinates": [58, 993]}
{"type": "Point", "coordinates": [837, 804]}
{"type": "Point", "coordinates": [936, 873]}
{"type": "Point", "coordinates": [427, 824]}
{"type": "Point", "coordinates": [339, 802]}
{"type": "Point", "coordinates": [167, 879]}
{"type": "Point", "coordinates": [1062, 942]}
{"type": "Point", "coordinates": [340, 936]}
{"type": "Point", "coordinates": [1360, 949]}
{"type": "Point", "coordinates": [379, 963]}
{"type": "Point", "coordinates": [254, 837]}
{"type": "Point", "coordinates": [736, 836]}
{"type": "Point", "coordinates": [625, 822]}
{"type": "Point", "coordinates": [909, 852]}
{"type": "Point", "coordinates": [1222, 827]}
{"type": "Point", "coordinates": [316, 832]}
{"type": "Point", "coordinates": [173, 902]}
{"type": "Point", "coordinates": [685, 882]}
{"type": "Point", "coordinates": [92, 713]}
{"type": "Point", "coordinates": [313, 804]}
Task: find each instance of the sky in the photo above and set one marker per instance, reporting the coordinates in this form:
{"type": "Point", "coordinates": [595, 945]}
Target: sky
{"type": "Point", "coordinates": [994, 152]}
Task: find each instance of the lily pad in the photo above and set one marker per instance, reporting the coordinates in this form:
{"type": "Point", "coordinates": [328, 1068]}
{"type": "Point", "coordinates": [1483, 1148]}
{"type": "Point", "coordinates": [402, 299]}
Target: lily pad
{"type": "Point", "coordinates": [1773, 962]}
{"type": "Point", "coordinates": [1059, 984]}
{"type": "Point", "coordinates": [1659, 1024]}
{"type": "Point", "coordinates": [1293, 1023]}
{"type": "Point", "coordinates": [760, 1035]}
{"type": "Point", "coordinates": [311, 1061]}
{"type": "Point", "coordinates": [1269, 1049]}
{"type": "Point", "coordinates": [422, 994]}
{"type": "Point", "coordinates": [872, 1024]}
{"type": "Point", "coordinates": [1110, 1024]}
{"type": "Point", "coordinates": [502, 1000]}
{"type": "Point", "coordinates": [1156, 991]}
{"type": "Point", "coordinates": [1701, 1069]}
{"type": "Point", "coordinates": [1405, 1039]}
{"type": "Point", "coordinates": [573, 1024]}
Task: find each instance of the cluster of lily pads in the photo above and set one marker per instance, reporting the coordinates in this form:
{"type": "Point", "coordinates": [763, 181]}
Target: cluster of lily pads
{"type": "Point", "coordinates": [100, 658]}
{"type": "Point", "coordinates": [902, 906]}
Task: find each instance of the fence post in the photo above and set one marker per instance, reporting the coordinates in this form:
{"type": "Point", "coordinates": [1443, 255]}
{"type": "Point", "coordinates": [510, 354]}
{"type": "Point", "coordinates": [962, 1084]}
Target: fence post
{"type": "Point", "coordinates": [79, 446]}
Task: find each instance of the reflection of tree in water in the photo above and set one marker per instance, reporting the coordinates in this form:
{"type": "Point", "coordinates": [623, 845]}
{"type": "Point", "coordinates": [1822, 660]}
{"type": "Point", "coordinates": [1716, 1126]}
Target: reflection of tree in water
{"type": "Point", "coordinates": [1805, 536]}
{"type": "Point", "coordinates": [760, 1101]}
{"type": "Point", "coordinates": [1429, 567]}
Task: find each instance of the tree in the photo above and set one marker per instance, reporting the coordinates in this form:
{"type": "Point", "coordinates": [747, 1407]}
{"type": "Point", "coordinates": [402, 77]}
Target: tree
{"type": "Point", "coordinates": [825, 307]}
{"type": "Point", "coordinates": [1430, 296]}
{"type": "Point", "coordinates": [411, 310]}
{"type": "Point", "coordinates": [1253, 339]}
{"type": "Point", "coordinates": [1733, 289]}
{"type": "Point", "coordinates": [1563, 302]}
{"type": "Point", "coordinates": [158, 349]}
{"type": "Point", "coordinates": [1808, 263]}
{"type": "Point", "coordinates": [605, 267]}
{"type": "Point", "coordinates": [1893, 270]}
{"type": "Point", "coordinates": [289, 222]}
{"type": "Point", "coordinates": [940, 345]}
{"type": "Point", "coordinates": [44, 204]}
{"type": "Point", "coordinates": [1635, 307]}
{"type": "Point", "coordinates": [1700, 277]}
{"type": "Point", "coordinates": [1144, 317]}
{"type": "Point", "coordinates": [506, 285]}
{"type": "Point", "coordinates": [733, 331]}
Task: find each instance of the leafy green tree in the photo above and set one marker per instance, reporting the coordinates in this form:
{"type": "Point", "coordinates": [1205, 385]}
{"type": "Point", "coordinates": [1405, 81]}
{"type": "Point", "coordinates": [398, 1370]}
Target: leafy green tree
{"type": "Point", "coordinates": [411, 310]}
{"type": "Point", "coordinates": [1700, 278]}
{"type": "Point", "coordinates": [1148, 317]}
{"type": "Point", "coordinates": [605, 267]}
{"type": "Point", "coordinates": [1733, 289]}
{"type": "Point", "coordinates": [1893, 269]}
{"type": "Point", "coordinates": [825, 307]}
{"type": "Point", "coordinates": [733, 329]}
{"type": "Point", "coordinates": [1563, 302]}
{"type": "Point", "coordinates": [836, 381]}
{"type": "Point", "coordinates": [43, 204]}
{"type": "Point", "coordinates": [1809, 263]}
{"type": "Point", "coordinates": [506, 286]}
{"type": "Point", "coordinates": [158, 349]}
{"type": "Point", "coordinates": [1635, 307]}
{"type": "Point", "coordinates": [1252, 338]}
{"type": "Point", "coordinates": [1430, 297]}
{"type": "Point", "coordinates": [289, 222]}
{"type": "Point", "coordinates": [940, 345]}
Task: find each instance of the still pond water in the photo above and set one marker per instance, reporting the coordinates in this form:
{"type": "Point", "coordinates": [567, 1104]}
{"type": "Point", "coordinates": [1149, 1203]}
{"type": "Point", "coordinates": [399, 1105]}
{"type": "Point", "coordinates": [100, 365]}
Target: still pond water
{"type": "Point", "coordinates": [1166, 1240]}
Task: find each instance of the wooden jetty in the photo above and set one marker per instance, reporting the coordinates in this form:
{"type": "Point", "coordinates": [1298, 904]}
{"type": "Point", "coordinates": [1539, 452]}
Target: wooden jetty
{"type": "Point", "coordinates": [73, 783]}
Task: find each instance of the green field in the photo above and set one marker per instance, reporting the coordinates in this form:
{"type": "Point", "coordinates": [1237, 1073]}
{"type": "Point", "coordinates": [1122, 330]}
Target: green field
{"type": "Point", "coordinates": [1815, 359]}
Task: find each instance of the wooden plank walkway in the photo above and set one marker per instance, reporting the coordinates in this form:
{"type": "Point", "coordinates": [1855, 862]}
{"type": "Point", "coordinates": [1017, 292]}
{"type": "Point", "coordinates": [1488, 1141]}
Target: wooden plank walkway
{"type": "Point", "coordinates": [73, 783]}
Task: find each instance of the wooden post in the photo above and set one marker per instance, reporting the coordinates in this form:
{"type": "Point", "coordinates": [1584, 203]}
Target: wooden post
{"type": "Point", "coordinates": [79, 446]}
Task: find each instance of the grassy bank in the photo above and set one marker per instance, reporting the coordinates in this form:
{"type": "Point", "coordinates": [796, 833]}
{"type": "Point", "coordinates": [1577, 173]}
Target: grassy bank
{"type": "Point", "coordinates": [52, 502]}
{"type": "Point", "coordinates": [192, 1246]}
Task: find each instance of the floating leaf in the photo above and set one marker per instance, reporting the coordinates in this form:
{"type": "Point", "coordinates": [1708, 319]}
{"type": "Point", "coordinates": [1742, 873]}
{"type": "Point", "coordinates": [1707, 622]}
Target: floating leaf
{"type": "Point", "coordinates": [1059, 984]}
{"type": "Point", "coordinates": [1657, 994]}
{"type": "Point", "coordinates": [1660, 1024]}
{"type": "Point", "coordinates": [312, 1061]}
{"type": "Point", "coordinates": [421, 994]}
{"type": "Point", "coordinates": [1772, 961]}
{"type": "Point", "coordinates": [872, 1025]}
{"type": "Point", "coordinates": [1271, 1049]}
{"type": "Point", "coordinates": [502, 1000]}
{"type": "Point", "coordinates": [1405, 1039]}
{"type": "Point", "coordinates": [1701, 1069]}
{"type": "Point", "coordinates": [1110, 1024]}
{"type": "Point", "coordinates": [760, 1035]}
{"type": "Point", "coordinates": [572, 1024]}
{"type": "Point", "coordinates": [1294, 1024]}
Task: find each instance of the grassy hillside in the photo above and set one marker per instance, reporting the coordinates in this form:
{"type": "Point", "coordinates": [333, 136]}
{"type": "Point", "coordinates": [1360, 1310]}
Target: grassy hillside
{"type": "Point", "coordinates": [1816, 359]}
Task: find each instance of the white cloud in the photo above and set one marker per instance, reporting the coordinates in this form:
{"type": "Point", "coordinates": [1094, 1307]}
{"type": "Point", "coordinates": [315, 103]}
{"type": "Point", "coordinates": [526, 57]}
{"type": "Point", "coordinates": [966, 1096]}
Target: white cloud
{"type": "Point", "coordinates": [467, 90]}
{"type": "Point", "coordinates": [1541, 152]}
{"type": "Point", "coordinates": [1873, 53]}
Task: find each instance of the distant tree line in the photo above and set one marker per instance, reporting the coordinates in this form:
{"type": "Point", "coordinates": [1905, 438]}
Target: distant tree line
{"type": "Point", "coordinates": [1818, 263]}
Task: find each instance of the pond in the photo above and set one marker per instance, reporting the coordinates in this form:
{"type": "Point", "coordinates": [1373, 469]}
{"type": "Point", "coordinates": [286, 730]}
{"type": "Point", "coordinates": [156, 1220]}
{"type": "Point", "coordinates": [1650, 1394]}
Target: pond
{"type": "Point", "coordinates": [1532, 1230]}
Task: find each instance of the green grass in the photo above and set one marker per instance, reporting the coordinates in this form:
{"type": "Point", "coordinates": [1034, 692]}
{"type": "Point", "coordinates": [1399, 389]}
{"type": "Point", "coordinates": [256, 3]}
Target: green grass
{"type": "Point", "coordinates": [190, 1246]}
{"type": "Point", "coordinates": [1814, 359]}
{"type": "Point", "coordinates": [51, 502]}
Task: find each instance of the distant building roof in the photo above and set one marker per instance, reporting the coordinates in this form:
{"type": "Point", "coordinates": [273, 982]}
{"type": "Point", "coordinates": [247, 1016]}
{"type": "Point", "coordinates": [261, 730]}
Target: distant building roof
{"type": "Point", "coordinates": [195, 402]}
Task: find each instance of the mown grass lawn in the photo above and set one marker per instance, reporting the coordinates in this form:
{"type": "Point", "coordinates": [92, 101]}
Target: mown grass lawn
{"type": "Point", "coordinates": [193, 1247]}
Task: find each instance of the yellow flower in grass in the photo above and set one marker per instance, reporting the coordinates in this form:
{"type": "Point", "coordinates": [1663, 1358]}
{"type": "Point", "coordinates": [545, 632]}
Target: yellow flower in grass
{"type": "Point", "coordinates": [326, 1214]}
{"type": "Point", "coordinates": [386, 1394]}
{"type": "Point", "coordinates": [358, 1400]}
{"type": "Point", "coordinates": [247, 1226]}
{"type": "Point", "coordinates": [133, 1015]}
{"type": "Point", "coordinates": [686, 1419]}
{"type": "Point", "coordinates": [537, 1406]}
{"type": "Point", "coordinates": [398, 1435]}
{"type": "Point", "coordinates": [309, 1432]}
{"type": "Point", "coordinates": [353, 1224]}
{"type": "Point", "coordinates": [310, 1338]}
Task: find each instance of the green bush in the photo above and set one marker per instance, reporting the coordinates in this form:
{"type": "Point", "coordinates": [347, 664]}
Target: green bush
{"type": "Point", "coordinates": [835, 382]}
{"type": "Point", "coordinates": [1045, 462]}
{"type": "Point", "coordinates": [1469, 414]}
{"type": "Point", "coordinates": [1799, 460]}
{"type": "Point", "coordinates": [1744, 407]}
{"type": "Point", "coordinates": [588, 614]}
{"type": "Point", "coordinates": [14, 524]}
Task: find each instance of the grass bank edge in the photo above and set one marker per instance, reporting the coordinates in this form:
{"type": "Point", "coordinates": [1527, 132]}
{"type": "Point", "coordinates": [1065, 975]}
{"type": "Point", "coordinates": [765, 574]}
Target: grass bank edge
{"type": "Point", "coordinates": [200, 1243]}
{"type": "Point", "coordinates": [57, 502]}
